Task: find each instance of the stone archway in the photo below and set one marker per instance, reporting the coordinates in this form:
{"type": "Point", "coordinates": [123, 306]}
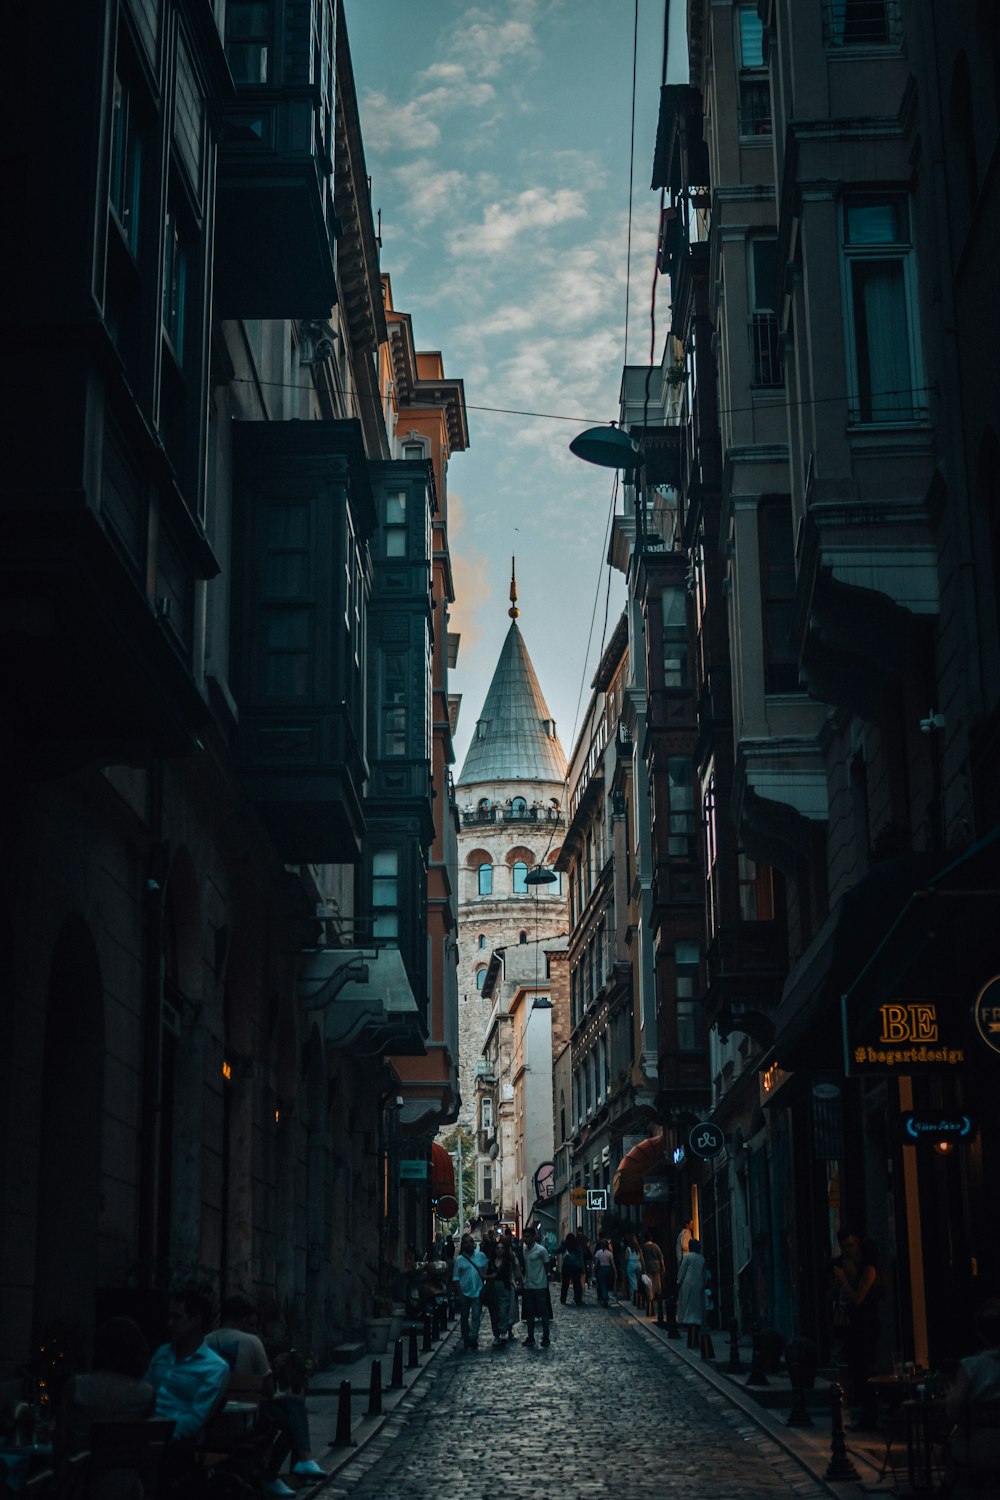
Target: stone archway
{"type": "Point", "coordinates": [70, 1136]}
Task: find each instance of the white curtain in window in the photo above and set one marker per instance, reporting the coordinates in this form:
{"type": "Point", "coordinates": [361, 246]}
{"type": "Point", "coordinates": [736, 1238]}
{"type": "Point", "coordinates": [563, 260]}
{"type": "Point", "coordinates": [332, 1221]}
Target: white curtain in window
{"type": "Point", "coordinates": [885, 386]}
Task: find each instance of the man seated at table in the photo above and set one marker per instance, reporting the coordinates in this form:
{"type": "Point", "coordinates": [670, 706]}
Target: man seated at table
{"type": "Point", "coordinates": [974, 1401]}
{"type": "Point", "coordinates": [237, 1340]}
{"type": "Point", "coordinates": [189, 1378]}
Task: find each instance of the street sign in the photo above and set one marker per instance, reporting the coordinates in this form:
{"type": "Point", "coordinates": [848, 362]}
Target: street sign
{"type": "Point", "coordinates": [597, 1198]}
{"type": "Point", "coordinates": [706, 1139]}
{"type": "Point", "coordinates": [410, 1171]}
{"type": "Point", "coordinates": [578, 1196]}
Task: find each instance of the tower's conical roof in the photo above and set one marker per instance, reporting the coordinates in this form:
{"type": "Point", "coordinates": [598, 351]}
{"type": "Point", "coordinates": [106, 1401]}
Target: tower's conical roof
{"type": "Point", "coordinates": [515, 738]}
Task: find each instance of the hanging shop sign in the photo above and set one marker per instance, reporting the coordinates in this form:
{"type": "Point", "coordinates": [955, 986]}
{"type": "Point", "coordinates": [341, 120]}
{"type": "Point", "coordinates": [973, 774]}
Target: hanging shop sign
{"type": "Point", "coordinates": [597, 1198]}
{"type": "Point", "coordinates": [578, 1196]}
{"type": "Point", "coordinates": [931, 1127]}
{"type": "Point", "coordinates": [986, 1013]}
{"type": "Point", "coordinates": [706, 1139]}
{"type": "Point", "coordinates": [904, 1036]}
{"type": "Point", "coordinates": [446, 1207]}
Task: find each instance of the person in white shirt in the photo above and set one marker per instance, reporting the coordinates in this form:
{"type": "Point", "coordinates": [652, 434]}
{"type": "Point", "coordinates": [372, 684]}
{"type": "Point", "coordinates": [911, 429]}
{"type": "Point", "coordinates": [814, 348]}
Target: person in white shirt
{"type": "Point", "coordinates": [468, 1270]}
{"type": "Point", "coordinates": [684, 1239]}
{"type": "Point", "coordinates": [536, 1287]}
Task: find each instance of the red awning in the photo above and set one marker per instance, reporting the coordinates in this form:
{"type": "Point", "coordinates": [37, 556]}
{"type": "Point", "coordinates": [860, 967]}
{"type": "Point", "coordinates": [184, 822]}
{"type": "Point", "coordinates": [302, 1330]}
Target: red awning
{"type": "Point", "coordinates": [642, 1161]}
{"type": "Point", "coordinates": [442, 1172]}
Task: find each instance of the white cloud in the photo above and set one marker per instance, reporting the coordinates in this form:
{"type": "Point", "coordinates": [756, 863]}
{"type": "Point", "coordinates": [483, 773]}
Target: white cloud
{"type": "Point", "coordinates": [404, 126]}
{"type": "Point", "coordinates": [430, 191]}
{"type": "Point", "coordinates": [535, 208]}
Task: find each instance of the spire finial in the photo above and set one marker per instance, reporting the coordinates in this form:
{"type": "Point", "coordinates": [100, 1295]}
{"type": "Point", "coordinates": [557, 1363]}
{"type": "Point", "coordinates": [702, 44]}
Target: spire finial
{"type": "Point", "coordinates": [513, 611]}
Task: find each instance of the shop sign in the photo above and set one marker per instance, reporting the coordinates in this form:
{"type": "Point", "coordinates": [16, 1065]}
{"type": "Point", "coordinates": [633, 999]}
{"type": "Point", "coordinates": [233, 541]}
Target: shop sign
{"type": "Point", "coordinates": [597, 1198]}
{"type": "Point", "coordinates": [678, 1156]}
{"type": "Point", "coordinates": [578, 1196]}
{"type": "Point", "coordinates": [986, 1013]}
{"type": "Point", "coordinates": [922, 1126]}
{"type": "Point", "coordinates": [904, 1036]}
{"type": "Point", "coordinates": [706, 1139]}
{"type": "Point", "coordinates": [412, 1171]}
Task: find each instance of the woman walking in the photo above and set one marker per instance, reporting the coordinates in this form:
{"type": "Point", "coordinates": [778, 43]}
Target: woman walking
{"type": "Point", "coordinates": [691, 1287]}
{"type": "Point", "coordinates": [604, 1262]}
{"type": "Point", "coordinates": [633, 1265]}
{"type": "Point", "coordinates": [572, 1270]}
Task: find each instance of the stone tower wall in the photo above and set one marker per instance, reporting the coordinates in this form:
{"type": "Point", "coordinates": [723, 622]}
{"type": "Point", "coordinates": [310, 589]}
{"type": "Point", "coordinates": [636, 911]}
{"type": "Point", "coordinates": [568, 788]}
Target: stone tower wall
{"type": "Point", "coordinates": [501, 917]}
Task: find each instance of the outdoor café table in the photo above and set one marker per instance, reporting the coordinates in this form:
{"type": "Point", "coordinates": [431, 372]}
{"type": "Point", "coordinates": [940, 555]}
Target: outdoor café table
{"type": "Point", "coordinates": [925, 1423]}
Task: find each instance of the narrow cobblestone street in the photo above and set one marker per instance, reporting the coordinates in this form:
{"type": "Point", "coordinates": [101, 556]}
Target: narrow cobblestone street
{"type": "Point", "coordinates": [606, 1411]}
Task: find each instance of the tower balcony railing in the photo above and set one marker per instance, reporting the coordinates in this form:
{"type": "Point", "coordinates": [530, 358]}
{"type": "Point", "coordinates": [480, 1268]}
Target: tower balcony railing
{"type": "Point", "coordinates": [475, 816]}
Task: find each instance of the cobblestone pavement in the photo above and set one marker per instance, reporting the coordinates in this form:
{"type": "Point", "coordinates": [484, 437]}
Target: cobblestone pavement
{"type": "Point", "coordinates": [604, 1412]}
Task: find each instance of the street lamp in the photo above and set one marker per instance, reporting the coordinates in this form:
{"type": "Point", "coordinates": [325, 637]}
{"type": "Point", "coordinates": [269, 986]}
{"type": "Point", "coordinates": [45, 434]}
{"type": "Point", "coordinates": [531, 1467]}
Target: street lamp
{"type": "Point", "coordinates": [608, 447]}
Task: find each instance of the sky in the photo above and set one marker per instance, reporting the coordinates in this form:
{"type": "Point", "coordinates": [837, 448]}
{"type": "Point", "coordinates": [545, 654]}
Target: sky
{"type": "Point", "coordinates": [497, 136]}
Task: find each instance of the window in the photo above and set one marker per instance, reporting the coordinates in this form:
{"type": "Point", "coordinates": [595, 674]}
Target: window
{"type": "Point", "coordinates": [522, 937]}
{"type": "Point", "coordinates": [755, 92]}
{"type": "Point", "coordinates": [756, 890]}
{"type": "Point", "coordinates": [777, 582]}
{"type": "Point", "coordinates": [413, 451]}
{"type": "Point", "coordinates": [680, 781]}
{"type": "Point", "coordinates": [126, 164]}
{"type": "Point", "coordinates": [519, 807]}
{"type": "Point", "coordinates": [555, 889]}
{"type": "Point", "coordinates": [480, 978]}
{"type": "Point", "coordinates": [482, 940]}
{"type": "Point", "coordinates": [881, 302]}
{"type": "Point", "coordinates": [763, 273]}
{"type": "Point", "coordinates": [486, 1113]}
{"type": "Point", "coordinates": [395, 524]}
{"type": "Point", "coordinates": [711, 855]}
{"type": "Point", "coordinates": [518, 872]}
{"type": "Point", "coordinates": [248, 28]}
{"type": "Point", "coordinates": [485, 879]}
{"type": "Point", "coordinates": [286, 578]}
{"type": "Point", "coordinates": [686, 970]}
{"type": "Point", "coordinates": [395, 665]}
{"type": "Point", "coordinates": [487, 1184]}
{"type": "Point", "coordinates": [175, 271]}
{"type": "Point", "coordinates": [385, 894]}
{"type": "Point", "coordinates": [675, 638]}
{"type": "Point", "coordinates": [861, 23]}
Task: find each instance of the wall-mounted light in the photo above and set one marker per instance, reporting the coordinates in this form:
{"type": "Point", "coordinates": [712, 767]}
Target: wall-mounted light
{"type": "Point", "coordinates": [944, 1147]}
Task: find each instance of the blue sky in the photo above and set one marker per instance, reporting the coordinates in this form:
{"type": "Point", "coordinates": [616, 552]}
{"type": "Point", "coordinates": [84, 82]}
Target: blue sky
{"type": "Point", "coordinates": [497, 136]}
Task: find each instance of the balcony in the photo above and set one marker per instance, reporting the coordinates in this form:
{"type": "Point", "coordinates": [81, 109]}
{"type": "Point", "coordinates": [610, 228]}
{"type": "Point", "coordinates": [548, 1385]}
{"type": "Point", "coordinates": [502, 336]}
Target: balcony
{"type": "Point", "coordinates": [297, 677]}
{"type": "Point", "coordinates": [746, 964]}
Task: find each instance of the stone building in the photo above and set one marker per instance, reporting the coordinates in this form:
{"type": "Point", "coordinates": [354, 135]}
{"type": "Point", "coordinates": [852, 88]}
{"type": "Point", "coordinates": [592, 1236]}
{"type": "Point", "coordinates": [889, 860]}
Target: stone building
{"type": "Point", "coordinates": [510, 795]}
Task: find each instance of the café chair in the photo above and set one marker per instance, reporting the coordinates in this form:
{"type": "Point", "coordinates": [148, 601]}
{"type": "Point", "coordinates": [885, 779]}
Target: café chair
{"type": "Point", "coordinates": [972, 1454]}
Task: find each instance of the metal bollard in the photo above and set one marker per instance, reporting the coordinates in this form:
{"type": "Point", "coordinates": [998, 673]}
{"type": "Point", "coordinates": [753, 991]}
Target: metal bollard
{"type": "Point", "coordinates": [375, 1390]}
{"type": "Point", "coordinates": [396, 1382]}
{"type": "Point", "coordinates": [436, 1323]}
{"type": "Point", "coordinates": [757, 1376]}
{"type": "Point", "coordinates": [343, 1438]}
{"type": "Point", "coordinates": [661, 1321]}
{"type": "Point", "coordinates": [840, 1466]}
{"type": "Point", "coordinates": [735, 1364]}
{"type": "Point", "coordinates": [413, 1361]}
{"type": "Point", "coordinates": [692, 1342]}
{"type": "Point", "coordinates": [707, 1347]}
{"type": "Point", "coordinates": [425, 1347]}
{"type": "Point", "coordinates": [673, 1332]}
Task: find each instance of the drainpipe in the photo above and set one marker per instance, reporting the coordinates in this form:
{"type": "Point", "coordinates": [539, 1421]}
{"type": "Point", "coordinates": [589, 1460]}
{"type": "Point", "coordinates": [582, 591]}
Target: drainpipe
{"type": "Point", "coordinates": [152, 1031]}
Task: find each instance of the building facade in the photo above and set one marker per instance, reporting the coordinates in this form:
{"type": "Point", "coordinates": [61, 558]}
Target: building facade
{"type": "Point", "coordinates": [828, 186]}
{"type": "Point", "coordinates": [211, 1016]}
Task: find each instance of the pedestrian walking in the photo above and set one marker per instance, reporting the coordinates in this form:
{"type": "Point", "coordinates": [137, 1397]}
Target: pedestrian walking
{"type": "Point", "coordinates": [587, 1255]}
{"type": "Point", "coordinates": [652, 1266]}
{"type": "Point", "coordinates": [500, 1294]}
{"type": "Point", "coordinates": [604, 1263]}
{"type": "Point", "coordinates": [633, 1264]}
{"type": "Point", "coordinates": [468, 1269]}
{"type": "Point", "coordinates": [691, 1287]}
{"type": "Point", "coordinates": [572, 1270]}
{"type": "Point", "coordinates": [536, 1287]}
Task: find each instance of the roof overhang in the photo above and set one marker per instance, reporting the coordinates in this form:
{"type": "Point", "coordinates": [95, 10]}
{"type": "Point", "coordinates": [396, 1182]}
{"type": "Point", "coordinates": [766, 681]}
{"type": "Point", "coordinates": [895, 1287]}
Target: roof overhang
{"type": "Point", "coordinates": [367, 1002]}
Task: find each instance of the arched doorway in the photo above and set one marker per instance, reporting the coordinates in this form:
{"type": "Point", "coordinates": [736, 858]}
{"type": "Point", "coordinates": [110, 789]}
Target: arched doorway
{"type": "Point", "coordinates": [70, 1137]}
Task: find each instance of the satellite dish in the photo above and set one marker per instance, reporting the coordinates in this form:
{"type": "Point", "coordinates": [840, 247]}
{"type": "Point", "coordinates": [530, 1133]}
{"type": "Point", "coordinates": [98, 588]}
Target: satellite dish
{"type": "Point", "coordinates": [494, 1151]}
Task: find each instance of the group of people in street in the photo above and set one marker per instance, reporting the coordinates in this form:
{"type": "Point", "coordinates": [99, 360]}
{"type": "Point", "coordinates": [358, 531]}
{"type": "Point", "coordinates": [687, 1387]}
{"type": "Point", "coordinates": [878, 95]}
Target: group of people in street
{"type": "Point", "coordinates": [495, 1274]}
{"type": "Point", "coordinates": [185, 1381]}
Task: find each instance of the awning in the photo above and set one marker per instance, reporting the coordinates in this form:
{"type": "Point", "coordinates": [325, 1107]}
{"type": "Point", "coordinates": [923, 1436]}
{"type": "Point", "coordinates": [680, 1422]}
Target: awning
{"type": "Point", "coordinates": [442, 1172]}
{"type": "Point", "coordinates": [644, 1160]}
{"type": "Point", "coordinates": [365, 996]}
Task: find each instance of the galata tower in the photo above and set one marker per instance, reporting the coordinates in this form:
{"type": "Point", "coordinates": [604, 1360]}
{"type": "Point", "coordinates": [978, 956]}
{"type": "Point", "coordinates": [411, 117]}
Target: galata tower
{"type": "Point", "coordinates": [511, 797]}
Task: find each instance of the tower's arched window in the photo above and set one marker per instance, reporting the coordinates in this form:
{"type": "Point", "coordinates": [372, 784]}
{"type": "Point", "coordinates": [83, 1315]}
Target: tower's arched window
{"type": "Point", "coordinates": [483, 804]}
{"type": "Point", "coordinates": [485, 879]}
{"type": "Point", "coordinates": [519, 807]}
{"type": "Point", "coordinates": [522, 937]}
{"type": "Point", "coordinates": [480, 978]}
{"type": "Point", "coordinates": [519, 872]}
{"type": "Point", "coordinates": [482, 940]}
